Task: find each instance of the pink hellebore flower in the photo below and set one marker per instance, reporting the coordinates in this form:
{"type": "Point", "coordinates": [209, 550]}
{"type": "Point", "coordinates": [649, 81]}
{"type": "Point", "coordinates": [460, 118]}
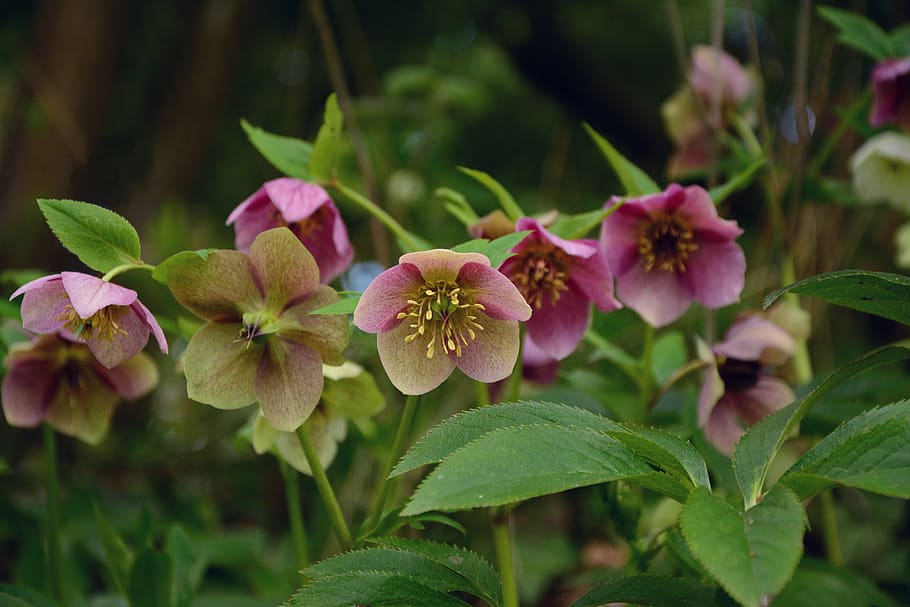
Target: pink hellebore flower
{"type": "Point", "coordinates": [738, 391]}
{"type": "Point", "coordinates": [310, 214]}
{"type": "Point", "coordinates": [440, 309]}
{"type": "Point", "coordinates": [715, 75]}
{"type": "Point", "coordinates": [60, 382]}
{"type": "Point", "coordinates": [108, 318]}
{"type": "Point", "coordinates": [559, 279]}
{"type": "Point", "coordinates": [260, 342]}
{"type": "Point", "coordinates": [670, 248]}
{"type": "Point", "coordinates": [891, 83]}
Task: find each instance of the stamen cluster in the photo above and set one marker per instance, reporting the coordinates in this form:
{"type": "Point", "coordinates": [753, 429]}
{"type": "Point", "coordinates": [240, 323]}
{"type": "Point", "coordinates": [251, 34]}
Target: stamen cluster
{"type": "Point", "coordinates": [541, 271]}
{"type": "Point", "coordinates": [101, 325]}
{"type": "Point", "coordinates": [446, 313]}
{"type": "Point", "coordinates": [666, 242]}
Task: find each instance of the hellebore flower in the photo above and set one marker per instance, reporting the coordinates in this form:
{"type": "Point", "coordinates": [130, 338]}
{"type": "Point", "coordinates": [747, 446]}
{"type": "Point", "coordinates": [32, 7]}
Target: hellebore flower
{"type": "Point", "coordinates": [891, 83]}
{"type": "Point", "coordinates": [304, 208]}
{"type": "Point", "coordinates": [440, 309]}
{"type": "Point", "coordinates": [108, 318]}
{"type": "Point", "coordinates": [671, 248]}
{"type": "Point", "coordinates": [738, 391]}
{"type": "Point", "coordinates": [715, 75]}
{"type": "Point", "coordinates": [58, 381]}
{"type": "Point", "coordinates": [685, 123]}
{"type": "Point", "coordinates": [559, 279]}
{"type": "Point", "coordinates": [881, 170]}
{"type": "Point", "coordinates": [260, 342]}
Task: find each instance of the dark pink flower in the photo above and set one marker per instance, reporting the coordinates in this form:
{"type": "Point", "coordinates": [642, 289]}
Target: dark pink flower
{"type": "Point", "coordinates": [437, 310]}
{"type": "Point", "coordinates": [671, 248]}
{"type": "Point", "coordinates": [60, 382]}
{"type": "Point", "coordinates": [738, 389]}
{"type": "Point", "coordinates": [108, 318]}
{"type": "Point", "coordinates": [559, 279]}
{"type": "Point", "coordinates": [891, 83]}
{"type": "Point", "coordinates": [310, 214]}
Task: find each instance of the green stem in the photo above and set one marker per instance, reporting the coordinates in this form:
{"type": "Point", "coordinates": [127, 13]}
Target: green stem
{"type": "Point", "coordinates": [385, 484]}
{"type": "Point", "coordinates": [295, 518]}
{"type": "Point", "coordinates": [336, 518]}
{"type": "Point", "coordinates": [126, 268]}
{"type": "Point", "coordinates": [502, 541]}
{"type": "Point", "coordinates": [407, 239]}
{"type": "Point", "coordinates": [54, 551]}
{"type": "Point", "coordinates": [821, 157]}
{"type": "Point", "coordinates": [513, 387]}
{"type": "Point", "coordinates": [482, 392]}
{"type": "Point", "coordinates": [678, 375]}
{"type": "Point", "coordinates": [802, 364]}
{"type": "Point", "coordinates": [829, 527]}
{"type": "Point", "coordinates": [746, 133]}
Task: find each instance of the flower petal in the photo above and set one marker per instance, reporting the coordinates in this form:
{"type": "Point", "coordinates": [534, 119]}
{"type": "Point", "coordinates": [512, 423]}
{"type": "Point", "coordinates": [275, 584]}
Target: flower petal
{"type": "Point", "coordinates": [659, 297]}
{"type": "Point", "coordinates": [716, 273]}
{"type": "Point", "coordinates": [385, 297]}
{"type": "Point", "coordinates": [83, 407]}
{"type": "Point", "coordinates": [89, 293]}
{"type": "Point", "coordinates": [755, 338]}
{"type": "Point", "coordinates": [327, 334]}
{"type": "Point", "coordinates": [701, 213]}
{"type": "Point", "coordinates": [295, 199]}
{"type": "Point", "coordinates": [255, 215]}
{"type": "Point", "coordinates": [712, 387]}
{"type": "Point", "coordinates": [723, 429]}
{"type": "Point", "coordinates": [288, 383]}
{"type": "Point", "coordinates": [557, 329]}
{"type": "Point", "coordinates": [264, 435]}
{"type": "Point", "coordinates": [220, 369]}
{"type": "Point", "coordinates": [330, 245]}
{"type": "Point", "coordinates": [490, 288]}
{"type": "Point", "coordinates": [219, 287]}
{"type": "Point", "coordinates": [149, 321]}
{"type": "Point", "coordinates": [407, 365]}
{"type": "Point", "coordinates": [441, 264]}
{"type": "Point", "coordinates": [286, 270]}
{"type": "Point", "coordinates": [31, 382]}
{"type": "Point", "coordinates": [768, 395]}
{"type": "Point", "coordinates": [44, 305]}
{"type": "Point", "coordinates": [322, 432]}
{"type": "Point", "coordinates": [619, 234]}
{"type": "Point", "coordinates": [575, 248]}
{"type": "Point", "coordinates": [593, 278]}
{"type": "Point", "coordinates": [113, 350]}
{"type": "Point", "coordinates": [134, 378]}
{"type": "Point", "coordinates": [492, 355]}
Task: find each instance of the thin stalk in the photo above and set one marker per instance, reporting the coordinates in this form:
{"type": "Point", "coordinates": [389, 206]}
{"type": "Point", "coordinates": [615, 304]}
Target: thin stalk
{"type": "Point", "coordinates": [513, 387]}
{"type": "Point", "coordinates": [52, 522]}
{"type": "Point", "coordinates": [502, 541]}
{"type": "Point", "coordinates": [295, 518]}
{"type": "Point", "coordinates": [406, 238]}
{"type": "Point", "coordinates": [336, 518]}
{"type": "Point", "coordinates": [843, 125]}
{"type": "Point", "coordinates": [647, 359]}
{"type": "Point", "coordinates": [802, 364]}
{"type": "Point", "coordinates": [829, 529]}
{"type": "Point", "coordinates": [126, 268]}
{"type": "Point", "coordinates": [401, 436]}
{"type": "Point", "coordinates": [482, 392]}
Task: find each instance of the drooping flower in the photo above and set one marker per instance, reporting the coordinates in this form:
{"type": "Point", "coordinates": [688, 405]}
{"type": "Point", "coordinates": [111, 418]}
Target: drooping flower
{"type": "Point", "coordinates": [260, 342]}
{"type": "Point", "coordinates": [492, 226]}
{"type": "Point", "coordinates": [715, 76]}
{"type": "Point", "coordinates": [670, 248]}
{"type": "Point", "coordinates": [55, 380]}
{"type": "Point", "coordinates": [440, 309]}
{"type": "Point", "coordinates": [881, 170]}
{"type": "Point", "coordinates": [304, 208]}
{"type": "Point", "coordinates": [891, 84]}
{"type": "Point", "coordinates": [559, 279]}
{"type": "Point", "coordinates": [108, 318]}
{"type": "Point", "coordinates": [738, 389]}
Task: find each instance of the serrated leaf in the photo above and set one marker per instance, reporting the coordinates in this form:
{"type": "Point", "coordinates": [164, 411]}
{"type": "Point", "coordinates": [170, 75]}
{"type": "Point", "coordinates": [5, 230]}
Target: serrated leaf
{"type": "Point", "coordinates": [505, 199]}
{"type": "Point", "coordinates": [458, 430]}
{"type": "Point", "coordinates": [740, 181]}
{"type": "Point", "coordinates": [859, 32]}
{"type": "Point", "coordinates": [753, 553]}
{"type": "Point", "coordinates": [327, 147]}
{"type": "Point", "coordinates": [653, 591]}
{"type": "Point", "coordinates": [818, 583]}
{"type": "Point", "coordinates": [345, 305]}
{"type": "Point", "coordinates": [373, 588]}
{"type": "Point", "coordinates": [497, 251]}
{"type": "Point", "coordinates": [756, 449]}
{"type": "Point", "coordinates": [667, 452]}
{"type": "Point", "coordinates": [576, 226]}
{"type": "Point", "coordinates": [118, 557]}
{"type": "Point", "coordinates": [504, 466]}
{"type": "Point", "coordinates": [635, 181]}
{"type": "Point", "coordinates": [151, 580]}
{"type": "Point", "coordinates": [289, 155]}
{"type": "Point", "coordinates": [99, 237]}
{"type": "Point", "coordinates": [879, 293]}
{"type": "Point", "coordinates": [870, 452]}
{"type": "Point", "coordinates": [160, 273]}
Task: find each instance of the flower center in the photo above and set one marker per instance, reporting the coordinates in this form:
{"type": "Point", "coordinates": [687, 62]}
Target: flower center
{"type": "Point", "coordinates": [100, 325]}
{"type": "Point", "coordinates": [444, 314]}
{"type": "Point", "coordinates": [255, 327]}
{"type": "Point", "coordinates": [738, 374]}
{"type": "Point", "coordinates": [541, 273]}
{"type": "Point", "coordinates": [306, 227]}
{"type": "Point", "coordinates": [666, 242]}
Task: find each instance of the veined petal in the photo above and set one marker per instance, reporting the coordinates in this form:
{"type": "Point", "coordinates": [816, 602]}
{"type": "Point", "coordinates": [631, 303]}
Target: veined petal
{"type": "Point", "coordinates": [83, 407]}
{"type": "Point", "coordinates": [296, 199]}
{"type": "Point", "coordinates": [716, 273]}
{"type": "Point", "coordinates": [491, 356]}
{"type": "Point", "coordinates": [441, 264]}
{"type": "Point", "coordinates": [619, 235]}
{"type": "Point", "coordinates": [288, 383]}
{"type": "Point", "coordinates": [490, 287]}
{"type": "Point", "coordinates": [219, 368]}
{"type": "Point", "coordinates": [407, 364]}
{"type": "Point", "coordinates": [327, 334]}
{"type": "Point", "coordinates": [385, 297]}
{"type": "Point", "coordinates": [254, 204]}
{"type": "Point", "coordinates": [287, 271]}
{"type": "Point", "coordinates": [330, 245]}
{"type": "Point", "coordinates": [134, 378]}
{"type": "Point", "coordinates": [89, 293]}
{"type": "Point", "coordinates": [557, 329]}
{"type": "Point", "coordinates": [44, 304]}
{"type": "Point", "coordinates": [254, 215]}
{"type": "Point", "coordinates": [113, 350]}
{"type": "Point", "coordinates": [712, 387]}
{"type": "Point", "coordinates": [323, 435]}
{"type": "Point", "coordinates": [264, 435]}
{"type": "Point", "coordinates": [219, 287]}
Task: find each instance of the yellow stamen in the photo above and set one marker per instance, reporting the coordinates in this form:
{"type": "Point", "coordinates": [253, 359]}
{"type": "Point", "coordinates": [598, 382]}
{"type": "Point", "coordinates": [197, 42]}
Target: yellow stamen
{"type": "Point", "coordinates": [665, 242]}
{"type": "Point", "coordinates": [442, 313]}
{"type": "Point", "coordinates": [100, 325]}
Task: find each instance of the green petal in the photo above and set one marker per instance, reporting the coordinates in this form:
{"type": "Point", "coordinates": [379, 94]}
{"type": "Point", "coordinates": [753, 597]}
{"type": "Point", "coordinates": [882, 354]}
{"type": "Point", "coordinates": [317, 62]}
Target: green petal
{"type": "Point", "coordinates": [83, 408]}
{"type": "Point", "coordinates": [407, 364]}
{"type": "Point", "coordinates": [219, 368]}
{"type": "Point", "coordinates": [288, 383]}
{"type": "Point", "coordinates": [353, 397]}
{"type": "Point", "coordinates": [286, 269]}
{"type": "Point", "coordinates": [219, 287]}
{"type": "Point", "coordinates": [327, 334]}
{"type": "Point", "coordinates": [264, 435]}
{"type": "Point", "coordinates": [325, 433]}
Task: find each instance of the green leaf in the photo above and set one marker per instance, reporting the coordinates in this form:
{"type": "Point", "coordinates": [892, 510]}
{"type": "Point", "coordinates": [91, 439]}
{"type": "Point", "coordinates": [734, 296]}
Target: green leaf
{"type": "Point", "coordinates": [818, 583]}
{"type": "Point", "coordinates": [458, 430]}
{"type": "Point", "coordinates": [576, 226]}
{"type": "Point", "coordinates": [900, 40]}
{"type": "Point", "coordinates": [653, 591]}
{"type": "Point", "coordinates": [877, 293]}
{"type": "Point", "coordinates": [635, 181]}
{"type": "Point", "coordinates": [504, 466]}
{"type": "Point", "coordinates": [871, 452]}
{"type": "Point", "coordinates": [19, 596]}
{"type": "Point", "coordinates": [188, 566]}
{"type": "Point", "coordinates": [327, 147]}
{"type": "Point", "coordinates": [859, 32]}
{"type": "Point", "coordinates": [505, 199]}
{"type": "Point", "coordinates": [666, 451]}
{"type": "Point", "coordinates": [457, 206]}
{"type": "Point", "coordinates": [289, 155]}
{"type": "Point", "coordinates": [118, 557]}
{"type": "Point", "coordinates": [373, 588]}
{"type": "Point", "coordinates": [756, 449]}
{"type": "Point", "coordinates": [345, 305]}
{"type": "Point", "coordinates": [151, 580]}
{"type": "Point", "coordinates": [100, 238]}
{"type": "Point", "coordinates": [161, 271]}
{"type": "Point", "coordinates": [353, 397]}
{"type": "Point", "coordinates": [752, 554]}
{"type": "Point", "coordinates": [497, 251]}
{"type": "Point", "coordinates": [739, 182]}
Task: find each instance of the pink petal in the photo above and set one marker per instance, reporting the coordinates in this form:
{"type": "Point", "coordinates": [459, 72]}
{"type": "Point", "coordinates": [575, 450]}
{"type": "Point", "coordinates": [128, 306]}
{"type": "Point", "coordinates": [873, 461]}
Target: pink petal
{"type": "Point", "coordinates": [287, 272]}
{"type": "Point", "coordinates": [133, 379]}
{"type": "Point", "coordinates": [44, 304]}
{"type": "Point", "coordinates": [253, 205]}
{"type": "Point", "coordinates": [576, 248]}
{"type": "Point", "coordinates": [755, 338]}
{"type": "Point", "coordinates": [34, 284]}
{"type": "Point", "coordinates": [149, 320]}
{"type": "Point", "coordinates": [659, 297]}
{"type": "Point", "coordinates": [592, 276]}
{"type": "Point", "coordinates": [490, 288]}
{"type": "Point", "coordinates": [296, 199]}
{"type": "Point", "coordinates": [557, 329]}
{"type": "Point", "coordinates": [723, 429]}
{"type": "Point", "coordinates": [441, 264]}
{"type": "Point", "coordinates": [889, 80]}
{"type": "Point", "coordinates": [701, 213]}
{"type": "Point", "coordinates": [114, 350]}
{"type": "Point", "coordinates": [768, 395]}
{"type": "Point", "coordinates": [407, 365]}
{"type": "Point", "coordinates": [385, 297]}
{"type": "Point", "coordinates": [712, 387]}
{"type": "Point", "coordinates": [717, 75]}
{"type": "Point", "coordinates": [491, 356]}
{"type": "Point", "coordinates": [254, 215]}
{"type": "Point", "coordinates": [716, 273]}
{"type": "Point", "coordinates": [288, 383]}
{"type": "Point", "coordinates": [330, 245]}
{"type": "Point", "coordinates": [89, 293]}
{"type": "Point", "coordinates": [31, 382]}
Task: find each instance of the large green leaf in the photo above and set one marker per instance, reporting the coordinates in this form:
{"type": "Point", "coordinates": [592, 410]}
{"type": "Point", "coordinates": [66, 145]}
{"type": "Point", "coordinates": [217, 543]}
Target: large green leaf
{"type": "Point", "coordinates": [497, 251]}
{"type": "Point", "coordinates": [757, 448]}
{"type": "Point", "coordinates": [653, 591]}
{"type": "Point", "coordinates": [878, 293]}
{"type": "Point", "coordinates": [752, 554]}
{"type": "Point", "coordinates": [327, 147]}
{"type": "Point", "coordinates": [506, 201]}
{"type": "Point", "coordinates": [635, 181]}
{"type": "Point", "coordinates": [871, 452]}
{"type": "Point", "coordinates": [99, 237]}
{"type": "Point", "coordinates": [151, 580]}
{"type": "Point", "coordinates": [818, 583]}
{"type": "Point", "coordinates": [289, 155]}
{"type": "Point", "coordinates": [859, 32]}
{"type": "Point", "coordinates": [373, 588]}
{"type": "Point", "coordinates": [666, 451]}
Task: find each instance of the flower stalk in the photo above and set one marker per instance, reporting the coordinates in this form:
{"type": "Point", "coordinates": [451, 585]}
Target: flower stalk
{"type": "Point", "coordinates": [406, 238]}
{"type": "Point", "coordinates": [502, 541]}
{"type": "Point", "coordinates": [52, 522]}
{"type": "Point", "coordinates": [295, 517]}
{"type": "Point", "coordinates": [336, 518]}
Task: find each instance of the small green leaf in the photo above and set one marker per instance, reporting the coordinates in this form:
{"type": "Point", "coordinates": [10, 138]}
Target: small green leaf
{"type": "Point", "coordinates": [739, 182]}
{"type": "Point", "coordinates": [457, 206]}
{"type": "Point", "coordinates": [577, 226]}
{"type": "Point", "coordinates": [373, 588]}
{"type": "Point", "coordinates": [753, 553]}
{"type": "Point", "coordinates": [497, 251]}
{"type": "Point", "coordinates": [877, 293]}
{"type": "Point", "coordinates": [859, 32]}
{"type": "Point", "coordinates": [151, 580]}
{"type": "Point", "coordinates": [653, 591]}
{"type": "Point", "coordinates": [161, 271]}
{"type": "Point", "coordinates": [635, 181]}
{"type": "Point", "coordinates": [118, 557]}
{"type": "Point", "coordinates": [818, 583]}
{"type": "Point", "coordinates": [289, 155]}
{"type": "Point", "coordinates": [506, 201]}
{"type": "Point", "coordinates": [99, 237]}
{"type": "Point", "coordinates": [345, 305]}
{"type": "Point", "coordinates": [327, 147]}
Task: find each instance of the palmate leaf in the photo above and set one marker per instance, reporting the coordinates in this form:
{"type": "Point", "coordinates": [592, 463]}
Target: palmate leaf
{"type": "Point", "coordinates": [653, 591]}
{"type": "Point", "coordinates": [289, 155]}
